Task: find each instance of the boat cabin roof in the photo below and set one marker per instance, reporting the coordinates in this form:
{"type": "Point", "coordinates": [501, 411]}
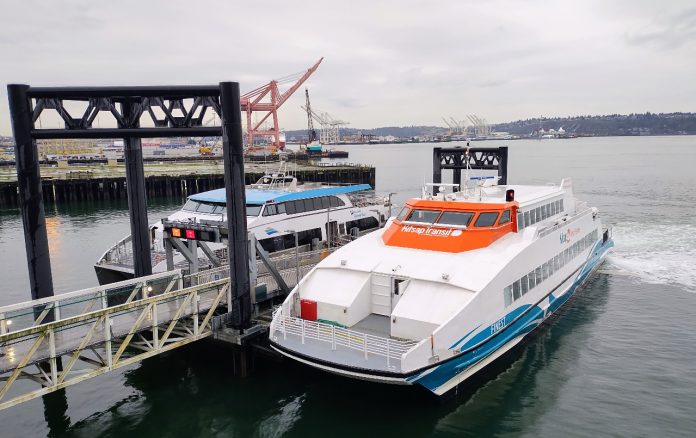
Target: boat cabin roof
{"type": "Point", "coordinates": [260, 196]}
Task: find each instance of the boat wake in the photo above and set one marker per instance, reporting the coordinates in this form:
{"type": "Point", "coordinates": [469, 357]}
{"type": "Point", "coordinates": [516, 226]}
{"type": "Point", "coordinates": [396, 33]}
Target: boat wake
{"type": "Point", "coordinates": [655, 253]}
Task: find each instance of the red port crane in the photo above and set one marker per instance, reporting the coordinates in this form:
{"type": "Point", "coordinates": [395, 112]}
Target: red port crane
{"type": "Point", "coordinates": [267, 99]}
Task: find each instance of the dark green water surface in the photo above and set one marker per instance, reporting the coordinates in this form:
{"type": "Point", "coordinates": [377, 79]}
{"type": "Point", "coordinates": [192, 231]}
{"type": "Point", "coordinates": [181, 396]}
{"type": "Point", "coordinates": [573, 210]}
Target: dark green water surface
{"type": "Point", "coordinates": [619, 361]}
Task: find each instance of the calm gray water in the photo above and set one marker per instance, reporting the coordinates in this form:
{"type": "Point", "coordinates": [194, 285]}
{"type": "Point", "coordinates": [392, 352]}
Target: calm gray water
{"type": "Point", "coordinates": [620, 361]}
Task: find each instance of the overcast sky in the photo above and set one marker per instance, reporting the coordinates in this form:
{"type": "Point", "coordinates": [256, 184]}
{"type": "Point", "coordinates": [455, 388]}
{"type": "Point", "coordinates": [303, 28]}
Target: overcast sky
{"type": "Point", "coordinates": [386, 63]}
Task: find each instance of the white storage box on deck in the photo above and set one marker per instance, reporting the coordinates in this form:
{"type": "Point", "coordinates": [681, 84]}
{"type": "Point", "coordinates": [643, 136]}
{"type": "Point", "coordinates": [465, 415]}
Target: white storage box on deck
{"type": "Point", "coordinates": [342, 295]}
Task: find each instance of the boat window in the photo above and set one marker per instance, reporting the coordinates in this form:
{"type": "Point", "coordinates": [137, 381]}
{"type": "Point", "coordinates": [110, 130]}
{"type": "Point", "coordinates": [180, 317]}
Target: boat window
{"type": "Point", "coordinates": [504, 218]}
{"type": "Point", "coordinates": [220, 209]}
{"type": "Point", "coordinates": [404, 211]}
{"type": "Point", "coordinates": [308, 205]}
{"type": "Point", "coordinates": [516, 290]}
{"type": "Point", "coordinates": [317, 203]}
{"type": "Point", "coordinates": [253, 210]}
{"type": "Point", "coordinates": [539, 277]}
{"type": "Point", "coordinates": [526, 219]}
{"type": "Point", "coordinates": [281, 208]}
{"type": "Point", "coordinates": [539, 218]}
{"type": "Point", "coordinates": [290, 207]}
{"type": "Point", "coordinates": [456, 218]}
{"type": "Point", "coordinates": [305, 237]}
{"type": "Point", "coordinates": [524, 284]}
{"type": "Point", "coordinates": [562, 205]}
{"type": "Point", "coordinates": [532, 216]}
{"type": "Point", "coordinates": [325, 202]}
{"type": "Point", "coordinates": [520, 220]}
{"type": "Point", "coordinates": [486, 219]}
{"type": "Point", "coordinates": [507, 293]}
{"type": "Point", "coordinates": [336, 201]}
{"type": "Point", "coordinates": [532, 279]}
{"type": "Point", "coordinates": [205, 207]}
{"type": "Point", "coordinates": [270, 210]}
{"type": "Point", "coordinates": [425, 216]}
{"type": "Point", "coordinates": [365, 223]}
{"type": "Point", "coordinates": [190, 205]}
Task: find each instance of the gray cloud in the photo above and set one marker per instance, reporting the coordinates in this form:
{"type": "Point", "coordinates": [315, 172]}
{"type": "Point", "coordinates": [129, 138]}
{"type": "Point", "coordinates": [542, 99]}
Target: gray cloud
{"type": "Point", "coordinates": [386, 62]}
{"type": "Point", "coordinates": [667, 32]}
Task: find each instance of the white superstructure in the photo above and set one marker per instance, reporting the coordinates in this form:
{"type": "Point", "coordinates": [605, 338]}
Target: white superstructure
{"type": "Point", "coordinates": [450, 284]}
{"type": "Point", "coordinates": [277, 207]}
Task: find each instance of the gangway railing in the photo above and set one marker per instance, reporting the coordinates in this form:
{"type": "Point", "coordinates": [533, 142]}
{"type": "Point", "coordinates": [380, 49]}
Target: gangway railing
{"type": "Point", "coordinates": [101, 329]}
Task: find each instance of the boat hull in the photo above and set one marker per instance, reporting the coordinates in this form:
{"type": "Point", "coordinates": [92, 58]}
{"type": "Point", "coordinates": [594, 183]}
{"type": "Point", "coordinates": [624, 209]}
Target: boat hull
{"type": "Point", "coordinates": [109, 274]}
{"type": "Point", "coordinates": [482, 350]}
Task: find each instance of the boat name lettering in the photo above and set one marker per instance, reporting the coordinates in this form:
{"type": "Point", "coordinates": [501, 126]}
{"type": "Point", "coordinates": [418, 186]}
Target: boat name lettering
{"type": "Point", "coordinates": [439, 232]}
{"type": "Point", "coordinates": [496, 326]}
{"type": "Point", "coordinates": [570, 232]}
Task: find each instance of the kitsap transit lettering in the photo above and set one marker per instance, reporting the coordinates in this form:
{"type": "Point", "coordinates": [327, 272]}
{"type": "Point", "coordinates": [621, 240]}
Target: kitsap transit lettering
{"type": "Point", "coordinates": [439, 232]}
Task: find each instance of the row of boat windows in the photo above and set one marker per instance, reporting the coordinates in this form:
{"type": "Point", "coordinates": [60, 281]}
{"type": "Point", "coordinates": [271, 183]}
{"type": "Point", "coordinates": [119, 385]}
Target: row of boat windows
{"type": "Point", "coordinates": [286, 241]}
{"type": "Point", "coordinates": [459, 218]}
{"type": "Point", "coordinates": [278, 243]}
{"type": "Point", "coordinates": [530, 217]}
{"type": "Point", "coordinates": [536, 276]}
{"type": "Point", "coordinates": [289, 207]}
{"type": "Point", "coordinates": [304, 205]}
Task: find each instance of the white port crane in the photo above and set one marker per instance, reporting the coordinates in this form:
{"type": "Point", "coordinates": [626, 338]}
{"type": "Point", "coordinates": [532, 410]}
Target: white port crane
{"type": "Point", "coordinates": [329, 132]}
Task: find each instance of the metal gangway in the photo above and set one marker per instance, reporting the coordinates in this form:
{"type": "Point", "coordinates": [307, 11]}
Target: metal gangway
{"type": "Point", "coordinates": [97, 330]}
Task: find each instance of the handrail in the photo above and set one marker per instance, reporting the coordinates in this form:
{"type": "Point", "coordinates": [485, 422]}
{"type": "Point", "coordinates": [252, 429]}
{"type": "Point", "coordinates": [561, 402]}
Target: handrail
{"type": "Point", "coordinates": [339, 336]}
{"type": "Point", "coordinates": [551, 228]}
{"type": "Point", "coordinates": [89, 291]}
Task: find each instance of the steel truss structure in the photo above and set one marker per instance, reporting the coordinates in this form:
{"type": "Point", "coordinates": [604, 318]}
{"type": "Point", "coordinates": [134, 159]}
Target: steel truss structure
{"type": "Point", "coordinates": [140, 112]}
{"type": "Point", "coordinates": [458, 159]}
{"type": "Point", "coordinates": [93, 338]}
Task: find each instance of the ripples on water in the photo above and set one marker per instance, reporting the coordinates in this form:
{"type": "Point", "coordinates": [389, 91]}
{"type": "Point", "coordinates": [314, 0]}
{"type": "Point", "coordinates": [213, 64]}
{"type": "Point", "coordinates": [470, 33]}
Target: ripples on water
{"type": "Point", "coordinates": [617, 362]}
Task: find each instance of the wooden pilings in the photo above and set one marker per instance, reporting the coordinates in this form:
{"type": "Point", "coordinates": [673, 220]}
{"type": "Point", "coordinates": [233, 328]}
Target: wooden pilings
{"type": "Point", "coordinates": [90, 188]}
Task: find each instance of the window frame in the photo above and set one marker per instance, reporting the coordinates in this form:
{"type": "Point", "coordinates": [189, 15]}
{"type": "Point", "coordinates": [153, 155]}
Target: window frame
{"type": "Point", "coordinates": [438, 220]}
{"type": "Point", "coordinates": [487, 213]}
{"type": "Point", "coordinates": [502, 215]}
{"type": "Point", "coordinates": [408, 218]}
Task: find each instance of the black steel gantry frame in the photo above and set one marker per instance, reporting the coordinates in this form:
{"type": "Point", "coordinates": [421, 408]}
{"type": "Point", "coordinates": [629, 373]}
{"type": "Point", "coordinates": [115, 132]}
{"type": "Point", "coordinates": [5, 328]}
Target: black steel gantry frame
{"type": "Point", "coordinates": [461, 158]}
{"type": "Point", "coordinates": [183, 109]}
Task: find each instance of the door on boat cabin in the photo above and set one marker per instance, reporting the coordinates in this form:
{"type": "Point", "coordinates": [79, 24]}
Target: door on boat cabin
{"type": "Point", "coordinates": [397, 290]}
{"type": "Point", "coordinates": [386, 293]}
{"type": "Point", "coordinates": [331, 229]}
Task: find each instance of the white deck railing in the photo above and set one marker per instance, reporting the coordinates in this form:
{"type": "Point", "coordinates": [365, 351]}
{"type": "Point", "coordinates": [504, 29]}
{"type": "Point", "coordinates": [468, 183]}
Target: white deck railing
{"type": "Point", "coordinates": [581, 211]}
{"type": "Point", "coordinates": [335, 337]}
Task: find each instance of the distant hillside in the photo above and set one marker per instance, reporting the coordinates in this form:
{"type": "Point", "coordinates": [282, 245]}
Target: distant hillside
{"type": "Point", "coordinates": [607, 125]}
{"type": "Point", "coordinates": [614, 124]}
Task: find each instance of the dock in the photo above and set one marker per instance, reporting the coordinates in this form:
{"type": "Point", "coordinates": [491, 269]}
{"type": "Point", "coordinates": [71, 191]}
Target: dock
{"type": "Point", "coordinates": [165, 179]}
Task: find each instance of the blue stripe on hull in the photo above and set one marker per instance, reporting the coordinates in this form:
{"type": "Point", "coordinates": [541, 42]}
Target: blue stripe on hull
{"type": "Point", "coordinates": [435, 378]}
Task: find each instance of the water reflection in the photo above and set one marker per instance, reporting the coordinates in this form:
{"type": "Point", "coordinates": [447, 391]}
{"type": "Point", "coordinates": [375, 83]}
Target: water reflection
{"type": "Point", "coordinates": [192, 392]}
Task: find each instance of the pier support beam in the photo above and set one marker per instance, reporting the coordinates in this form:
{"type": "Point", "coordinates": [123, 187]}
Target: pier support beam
{"type": "Point", "coordinates": [137, 198]}
{"type": "Point", "coordinates": [237, 250]}
{"type": "Point", "coordinates": [30, 194]}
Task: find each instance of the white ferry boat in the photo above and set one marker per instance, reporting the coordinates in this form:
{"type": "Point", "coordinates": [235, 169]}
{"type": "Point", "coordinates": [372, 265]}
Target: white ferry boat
{"type": "Point", "coordinates": [276, 207]}
{"type": "Point", "coordinates": [447, 287]}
